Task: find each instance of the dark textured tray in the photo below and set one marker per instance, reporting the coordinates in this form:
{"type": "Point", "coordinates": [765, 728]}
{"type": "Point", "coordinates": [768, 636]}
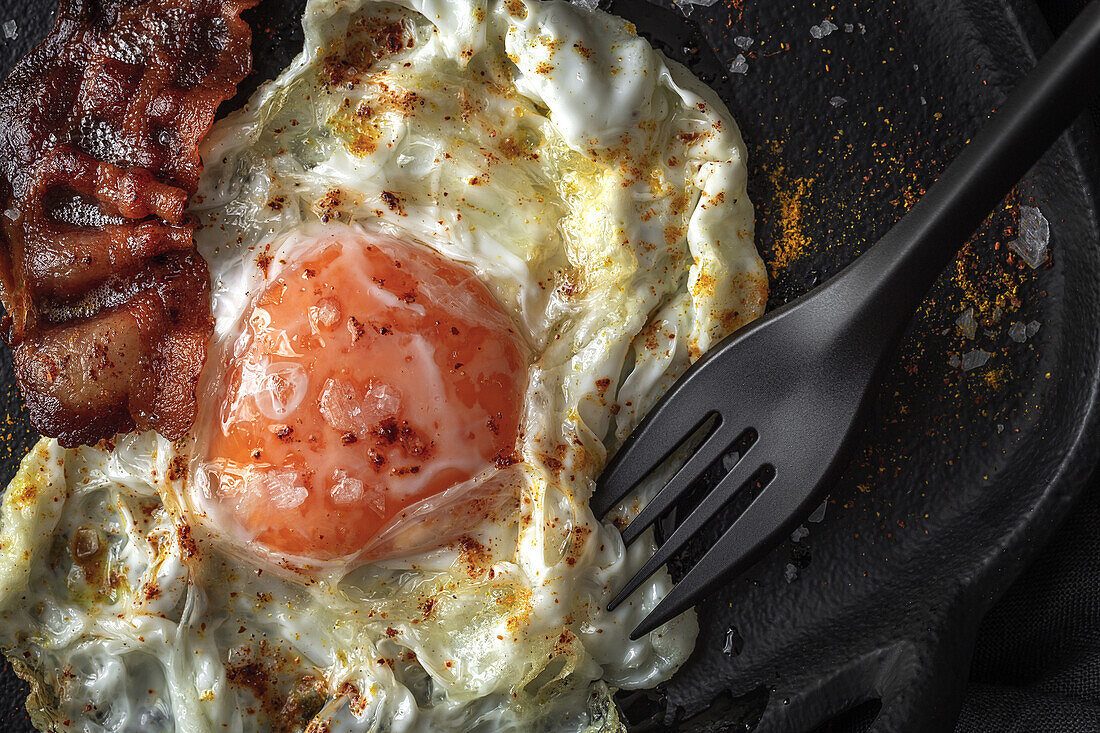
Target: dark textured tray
{"type": "Point", "coordinates": [867, 623]}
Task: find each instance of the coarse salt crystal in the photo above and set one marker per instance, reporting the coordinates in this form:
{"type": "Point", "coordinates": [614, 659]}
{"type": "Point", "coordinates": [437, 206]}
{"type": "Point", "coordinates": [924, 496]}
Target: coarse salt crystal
{"type": "Point", "coordinates": [974, 359]}
{"type": "Point", "coordinates": [820, 31]}
{"type": "Point", "coordinates": [282, 487]}
{"type": "Point", "coordinates": [276, 389]}
{"type": "Point", "coordinates": [967, 324]}
{"type": "Point", "coordinates": [324, 315]}
{"type": "Point", "coordinates": [819, 513]}
{"type": "Point", "coordinates": [800, 533]}
{"type": "Point", "coordinates": [743, 42]}
{"type": "Point", "coordinates": [345, 489]}
{"type": "Point", "coordinates": [340, 406]}
{"type": "Point", "coordinates": [386, 400]}
{"type": "Point", "coordinates": [686, 6]}
{"type": "Point", "coordinates": [12, 214]}
{"type": "Point", "coordinates": [1018, 332]}
{"type": "Point", "coordinates": [1034, 230]}
{"type": "Point", "coordinates": [739, 65]}
{"type": "Point", "coordinates": [790, 573]}
{"type": "Point", "coordinates": [11, 30]}
{"type": "Point", "coordinates": [953, 360]}
{"type": "Point", "coordinates": [837, 101]}
{"type": "Point", "coordinates": [345, 409]}
{"type": "Point", "coordinates": [375, 500]}
{"type": "Point", "coordinates": [848, 27]}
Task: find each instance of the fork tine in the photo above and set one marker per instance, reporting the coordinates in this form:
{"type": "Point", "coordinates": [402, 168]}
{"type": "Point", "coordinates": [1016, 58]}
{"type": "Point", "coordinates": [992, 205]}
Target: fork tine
{"type": "Point", "coordinates": [658, 435]}
{"type": "Point", "coordinates": [711, 449]}
{"type": "Point", "coordinates": [755, 530]}
{"type": "Point", "coordinates": [708, 507]}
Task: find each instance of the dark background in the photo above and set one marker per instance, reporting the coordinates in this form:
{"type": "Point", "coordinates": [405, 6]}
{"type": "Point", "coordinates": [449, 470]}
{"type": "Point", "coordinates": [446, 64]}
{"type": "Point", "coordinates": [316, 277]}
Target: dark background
{"type": "Point", "coordinates": [1036, 665]}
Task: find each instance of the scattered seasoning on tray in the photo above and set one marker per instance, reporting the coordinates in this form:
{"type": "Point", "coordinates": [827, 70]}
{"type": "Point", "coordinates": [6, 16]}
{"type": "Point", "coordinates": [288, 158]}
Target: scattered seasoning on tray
{"type": "Point", "coordinates": [790, 194]}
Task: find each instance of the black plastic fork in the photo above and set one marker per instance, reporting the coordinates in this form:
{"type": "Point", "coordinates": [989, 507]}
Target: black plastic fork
{"type": "Point", "coordinates": [786, 391]}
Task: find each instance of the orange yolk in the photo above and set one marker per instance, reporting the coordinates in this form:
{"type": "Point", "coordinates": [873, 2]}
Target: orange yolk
{"type": "Point", "coordinates": [372, 374]}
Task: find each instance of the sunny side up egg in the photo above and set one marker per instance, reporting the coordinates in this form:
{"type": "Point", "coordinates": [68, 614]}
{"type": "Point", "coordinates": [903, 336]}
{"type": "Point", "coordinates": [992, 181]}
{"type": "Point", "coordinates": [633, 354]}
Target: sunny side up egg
{"type": "Point", "coordinates": [457, 250]}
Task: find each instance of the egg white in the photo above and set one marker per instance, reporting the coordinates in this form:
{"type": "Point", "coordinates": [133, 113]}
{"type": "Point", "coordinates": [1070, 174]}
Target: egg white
{"type": "Point", "coordinates": [598, 189]}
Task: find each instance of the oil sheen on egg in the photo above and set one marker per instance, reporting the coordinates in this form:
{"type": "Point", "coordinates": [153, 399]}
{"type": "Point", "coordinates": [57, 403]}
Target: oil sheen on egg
{"type": "Point", "coordinates": [457, 250]}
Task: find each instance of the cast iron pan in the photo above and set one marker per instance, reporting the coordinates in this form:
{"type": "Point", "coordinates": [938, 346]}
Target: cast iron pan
{"type": "Point", "coordinates": [867, 622]}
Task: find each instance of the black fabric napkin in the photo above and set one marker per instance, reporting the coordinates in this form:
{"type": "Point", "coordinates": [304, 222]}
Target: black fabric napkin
{"type": "Point", "coordinates": [1036, 666]}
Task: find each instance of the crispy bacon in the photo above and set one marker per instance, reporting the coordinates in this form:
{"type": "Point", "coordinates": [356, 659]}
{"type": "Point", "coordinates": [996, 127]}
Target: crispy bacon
{"type": "Point", "coordinates": [107, 301]}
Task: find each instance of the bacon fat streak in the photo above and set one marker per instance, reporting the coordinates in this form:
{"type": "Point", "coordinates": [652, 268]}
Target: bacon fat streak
{"type": "Point", "coordinates": [107, 301]}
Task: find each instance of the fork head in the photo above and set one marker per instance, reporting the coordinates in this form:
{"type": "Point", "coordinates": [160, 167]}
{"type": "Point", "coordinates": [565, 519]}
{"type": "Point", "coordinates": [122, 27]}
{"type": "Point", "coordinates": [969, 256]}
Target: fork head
{"type": "Point", "coordinates": [784, 393]}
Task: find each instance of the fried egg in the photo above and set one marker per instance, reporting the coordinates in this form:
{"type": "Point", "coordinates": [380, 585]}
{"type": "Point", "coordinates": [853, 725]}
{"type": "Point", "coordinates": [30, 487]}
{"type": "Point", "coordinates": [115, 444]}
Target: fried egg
{"type": "Point", "coordinates": [457, 250]}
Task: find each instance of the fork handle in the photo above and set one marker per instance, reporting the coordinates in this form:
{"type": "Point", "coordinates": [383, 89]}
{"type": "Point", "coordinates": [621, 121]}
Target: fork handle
{"type": "Point", "coordinates": [894, 275]}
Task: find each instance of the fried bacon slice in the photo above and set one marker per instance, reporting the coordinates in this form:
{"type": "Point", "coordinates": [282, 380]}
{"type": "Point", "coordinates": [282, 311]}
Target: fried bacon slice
{"type": "Point", "coordinates": [107, 300]}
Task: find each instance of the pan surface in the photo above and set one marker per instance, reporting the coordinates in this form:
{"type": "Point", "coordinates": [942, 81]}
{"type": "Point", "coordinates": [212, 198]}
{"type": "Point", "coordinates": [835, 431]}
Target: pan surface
{"type": "Point", "coordinates": [850, 110]}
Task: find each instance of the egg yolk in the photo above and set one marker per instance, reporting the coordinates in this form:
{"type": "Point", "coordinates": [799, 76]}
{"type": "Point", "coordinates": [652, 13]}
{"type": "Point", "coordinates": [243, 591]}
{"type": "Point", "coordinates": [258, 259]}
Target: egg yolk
{"type": "Point", "coordinates": [371, 375]}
